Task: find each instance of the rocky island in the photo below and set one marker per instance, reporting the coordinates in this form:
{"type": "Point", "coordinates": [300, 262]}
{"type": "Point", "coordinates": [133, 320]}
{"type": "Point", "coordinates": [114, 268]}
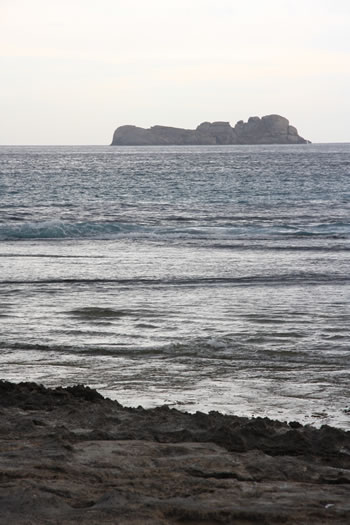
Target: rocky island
{"type": "Point", "coordinates": [270, 129]}
{"type": "Point", "coordinates": [69, 456]}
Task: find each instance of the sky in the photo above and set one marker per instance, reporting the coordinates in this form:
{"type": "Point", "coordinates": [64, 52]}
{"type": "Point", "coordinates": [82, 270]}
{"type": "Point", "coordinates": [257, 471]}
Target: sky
{"type": "Point", "coordinates": [71, 71]}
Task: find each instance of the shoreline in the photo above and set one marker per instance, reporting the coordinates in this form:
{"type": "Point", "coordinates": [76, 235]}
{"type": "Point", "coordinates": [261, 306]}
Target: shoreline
{"type": "Point", "coordinates": [68, 455]}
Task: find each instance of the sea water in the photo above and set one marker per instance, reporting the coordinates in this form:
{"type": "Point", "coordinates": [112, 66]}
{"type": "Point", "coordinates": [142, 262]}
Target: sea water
{"type": "Point", "coordinates": [206, 278]}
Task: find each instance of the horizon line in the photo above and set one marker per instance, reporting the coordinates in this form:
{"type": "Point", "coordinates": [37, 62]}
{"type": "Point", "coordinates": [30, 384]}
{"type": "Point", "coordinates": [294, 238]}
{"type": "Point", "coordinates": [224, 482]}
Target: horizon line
{"type": "Point", "coordinates": [170, 145]}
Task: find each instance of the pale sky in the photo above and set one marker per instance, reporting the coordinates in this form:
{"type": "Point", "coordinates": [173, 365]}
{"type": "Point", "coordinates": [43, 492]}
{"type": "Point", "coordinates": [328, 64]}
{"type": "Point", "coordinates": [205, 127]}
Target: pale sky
{"type": "Point", "coordinates": [71, 71]}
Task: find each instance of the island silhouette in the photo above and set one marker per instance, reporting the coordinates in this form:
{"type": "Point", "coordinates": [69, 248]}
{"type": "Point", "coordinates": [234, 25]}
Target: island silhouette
{"type": "Point", "coordinates": [270, 129]}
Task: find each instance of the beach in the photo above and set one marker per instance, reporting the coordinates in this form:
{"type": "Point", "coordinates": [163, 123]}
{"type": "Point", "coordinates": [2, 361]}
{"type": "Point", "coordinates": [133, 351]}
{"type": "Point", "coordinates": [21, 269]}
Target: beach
{"type": "Point", "coordinates": [71, 456]}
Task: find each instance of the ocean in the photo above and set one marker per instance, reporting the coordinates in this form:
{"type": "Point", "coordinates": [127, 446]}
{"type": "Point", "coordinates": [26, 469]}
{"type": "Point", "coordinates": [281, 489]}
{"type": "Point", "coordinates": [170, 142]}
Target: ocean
{"type": "Point", "coordinates": [205, 278]}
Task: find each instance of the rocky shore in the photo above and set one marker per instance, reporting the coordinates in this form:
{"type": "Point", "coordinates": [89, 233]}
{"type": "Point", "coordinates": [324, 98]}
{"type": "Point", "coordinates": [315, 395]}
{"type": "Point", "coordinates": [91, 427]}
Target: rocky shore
{"type": "Point", "coordinates": [270, 129]}
{"type": "Point", "coordinates": [69, 456]}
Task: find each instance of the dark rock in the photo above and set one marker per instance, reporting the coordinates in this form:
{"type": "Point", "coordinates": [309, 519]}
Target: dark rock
{"type": "Point", "coordinates": [84, 392]}
{"type": "Point", "coordinates": [74, 457]}
{"type": "Point", "coordinates": [31, 396]}
{"type": "Point", "coordinates": [270, 129]}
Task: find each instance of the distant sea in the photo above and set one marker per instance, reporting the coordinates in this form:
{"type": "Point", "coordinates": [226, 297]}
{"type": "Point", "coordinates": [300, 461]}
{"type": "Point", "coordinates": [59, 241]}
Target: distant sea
{"type": "Point", "coordinates": [206, 278]}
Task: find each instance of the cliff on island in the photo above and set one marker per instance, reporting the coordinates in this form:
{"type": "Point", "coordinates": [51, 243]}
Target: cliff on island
{"type": "Point", "coordinates": [69, 456]}
{"type": "Point", "coordinates": [271, 129]}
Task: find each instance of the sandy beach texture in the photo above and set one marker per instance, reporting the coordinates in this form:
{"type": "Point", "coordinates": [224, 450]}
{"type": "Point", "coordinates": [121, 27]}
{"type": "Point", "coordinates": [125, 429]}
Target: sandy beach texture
{"type": "Point", "coordinates": [71, 456]}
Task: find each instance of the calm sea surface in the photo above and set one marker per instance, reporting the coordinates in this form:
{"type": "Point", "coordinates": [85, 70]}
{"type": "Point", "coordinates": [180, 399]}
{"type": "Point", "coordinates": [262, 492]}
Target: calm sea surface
{"type": "Point", "coordinates": [207, 278]}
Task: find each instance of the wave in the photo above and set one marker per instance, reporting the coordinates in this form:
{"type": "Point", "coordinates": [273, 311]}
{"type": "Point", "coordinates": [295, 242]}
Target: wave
{"type": "Point", "coordinates": [61, 230]}
{"type": "Point", "coordinates": [202, 347]}
{"type": "Point", "coordinates": [224, 348]}
{"type": "Point", "coordinates": [286, 279]}
{"type": "Point", "coordinates": [111, 230]}
{"type": "Point", "coordinates": [89, 313]}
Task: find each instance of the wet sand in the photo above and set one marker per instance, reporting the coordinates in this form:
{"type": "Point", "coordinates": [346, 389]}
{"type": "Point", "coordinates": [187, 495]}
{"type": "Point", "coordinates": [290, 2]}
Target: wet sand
{"type": "Point", "coordinates": [71, 456]}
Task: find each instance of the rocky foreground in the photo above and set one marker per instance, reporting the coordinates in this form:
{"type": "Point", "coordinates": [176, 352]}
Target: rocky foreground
{"type": "Point", "coordinates": [271, 129]}
{"type": "Point", "coordinates": [69, 456]}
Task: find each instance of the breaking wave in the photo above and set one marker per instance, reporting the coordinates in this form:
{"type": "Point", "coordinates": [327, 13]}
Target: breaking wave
{"type": "Point", "coordinates": [110, 230]}
{"type": "Point", "coordinates": [63, 230]}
